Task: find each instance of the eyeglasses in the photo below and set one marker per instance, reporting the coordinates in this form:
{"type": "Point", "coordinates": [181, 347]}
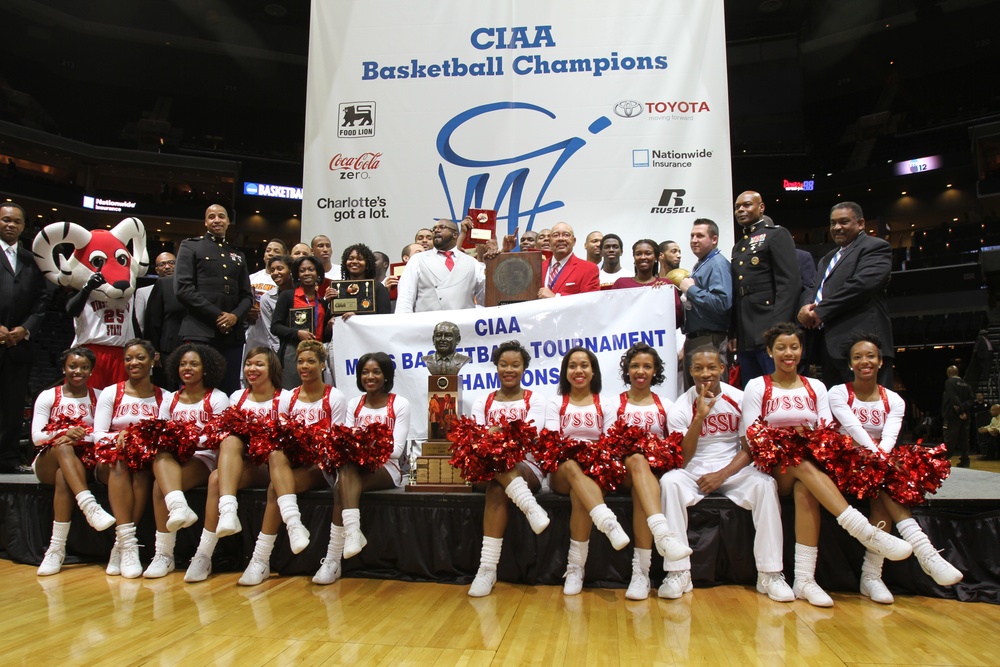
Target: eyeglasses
{"type": "Point", "coordinates": [169, 262]}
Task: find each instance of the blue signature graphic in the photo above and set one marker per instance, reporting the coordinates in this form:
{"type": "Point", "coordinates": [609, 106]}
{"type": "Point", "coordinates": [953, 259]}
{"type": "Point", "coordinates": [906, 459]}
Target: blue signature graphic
{"type": "Point", "coordinates": [512, 191]}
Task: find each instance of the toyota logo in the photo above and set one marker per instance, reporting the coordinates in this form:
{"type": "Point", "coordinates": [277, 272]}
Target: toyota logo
{"type": "Point", "coordinates": [628, 109]}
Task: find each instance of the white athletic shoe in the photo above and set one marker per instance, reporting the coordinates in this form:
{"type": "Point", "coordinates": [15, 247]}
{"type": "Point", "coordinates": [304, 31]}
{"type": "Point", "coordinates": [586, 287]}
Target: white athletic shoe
{"type": "Point", "coordinates": [256, 573]}
{"type": "Point", "coordinates": [181, 517]}
{"type": "Point", "coordinates": [52, 562]}
{"type": "Point", "coordinates": [638, 587]}
{"type": "Point", "coordinates": [538, 519]}
{"type": "Point", "coordinates": [97, 517]}
{"type": "Point", "coordinates": [940, 570]}
{"type": "Point", "coordinates": [160, 566]}
{"type": "Point", "coordinates": [773, 585]}
{"type": "Point", "coordinates": [618, 538]}
{"type": "Point", "coordinates": [354, 542]}
{"type": "Point", "coordinates": [229, 523]}
{"type": "Point", "coordinates": [482, 585]}
{"type": "Point", "coordinates": [887, 545]}
{"type": "Point", "coordinates": [875, 588]}
{"type": "Point", "coordinates": [298, 538]}
{"type": "Point", "coordinates": [131, 566]}
{"type": "Point", "coordinates": [329, 572]}
{"type": "Point", "coordinates": [199, 568]}
{"type": "Point", "coordinates": [676, 584]}
{"type": "Point", "coordinates": [671, 548]}
{"type": "Point", "coordinates": [114, 561]}
{"type": "Point", "coordinates": [574, 580]}
{"type": "Point", "coordinates": [811, 592]}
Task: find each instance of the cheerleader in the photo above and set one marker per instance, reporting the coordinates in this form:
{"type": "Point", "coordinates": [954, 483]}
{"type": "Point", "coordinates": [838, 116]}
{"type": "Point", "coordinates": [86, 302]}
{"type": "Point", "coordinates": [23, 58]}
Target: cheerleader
{"type": "Point", "coordinates": [872, 415]}
{"type": "Point", "coordinates": [786, 399]}
{"type": "Point", "coordinates": [58, 461]}
{"type": "Point", "coordinates": [520, 484]}
{"type": "Point", "coordinates": [577, 413]}
{"type": "Point", "coordinates": [316, 403]}
{"type": "Point", "coordinates": [262, 400]}
{"type": "Point", "coordinates": [197, 370]}
{"type": "Point", "coordinates": [641, 370]}
{"type": "Point", "coordinates": [377, 404]}
{"type": "Point", "coordinates": [120, 405]}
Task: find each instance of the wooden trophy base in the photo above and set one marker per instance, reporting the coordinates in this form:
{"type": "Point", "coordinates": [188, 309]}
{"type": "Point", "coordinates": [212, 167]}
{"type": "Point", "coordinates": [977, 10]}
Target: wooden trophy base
{"type": "Point", "coordinates": [435, 474]}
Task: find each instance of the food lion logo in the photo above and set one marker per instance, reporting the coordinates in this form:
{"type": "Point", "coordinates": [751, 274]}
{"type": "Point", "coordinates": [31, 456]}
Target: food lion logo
{"type": "Point", "coordinates": [628, 109]}
{"type": "Point", "coordinates": [356, 119]}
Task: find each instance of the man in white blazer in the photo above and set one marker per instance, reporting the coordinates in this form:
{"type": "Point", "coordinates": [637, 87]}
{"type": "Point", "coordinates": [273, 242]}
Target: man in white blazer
{"type": "Point", "coordinates": [443, 278]}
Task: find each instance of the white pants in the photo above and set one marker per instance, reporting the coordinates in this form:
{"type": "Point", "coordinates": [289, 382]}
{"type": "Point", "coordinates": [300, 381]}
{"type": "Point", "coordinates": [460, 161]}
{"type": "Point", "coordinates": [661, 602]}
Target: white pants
{"type": "Point", "coordinates": [750, 489]}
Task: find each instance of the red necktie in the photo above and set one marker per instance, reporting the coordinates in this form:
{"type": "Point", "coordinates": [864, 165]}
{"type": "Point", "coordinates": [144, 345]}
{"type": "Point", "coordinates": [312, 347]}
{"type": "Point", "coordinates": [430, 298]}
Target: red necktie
{"type": "Point", "coordinates": [553, 274]}
{"type": "Point", "coordinates": [449, 261]}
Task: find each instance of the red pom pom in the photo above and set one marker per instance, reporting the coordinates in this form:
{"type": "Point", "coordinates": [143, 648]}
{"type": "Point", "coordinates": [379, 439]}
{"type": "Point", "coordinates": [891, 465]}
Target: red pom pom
{"type": "Point", "coordinates": [662, 454]}
{"type": "Point", "coordinates": [106, 450]}
{"type": "Point", "coordinates": [772, 446]}
{"type": "Point", "coordinates": [58, 427]}
{"type": "Point", "coordinates": [369, 447]}
{"type": "Point", "coordinates": [601, 460]}
{"type": "Point", "coordinates": [915, 471]}
{"type": "Point", "coordinates": [256, 433]}
{"type": "Point", "coordinates": [480, 453]}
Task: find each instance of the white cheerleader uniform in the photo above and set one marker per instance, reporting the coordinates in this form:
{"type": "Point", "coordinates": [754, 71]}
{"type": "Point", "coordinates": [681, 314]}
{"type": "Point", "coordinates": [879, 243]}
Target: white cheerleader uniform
{"type": "Point", "coordinates": [396, 413]}
{"type": "Point", "coordinates": [718, 445]}
{"type": "Point", "coordinates": [530, 409]}
{"type": "Point", "coordinates": [200, 413]}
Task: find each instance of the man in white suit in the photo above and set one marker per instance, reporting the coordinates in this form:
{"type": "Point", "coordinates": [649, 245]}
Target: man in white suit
{"type": "Point", "coordinates": [443, 278]}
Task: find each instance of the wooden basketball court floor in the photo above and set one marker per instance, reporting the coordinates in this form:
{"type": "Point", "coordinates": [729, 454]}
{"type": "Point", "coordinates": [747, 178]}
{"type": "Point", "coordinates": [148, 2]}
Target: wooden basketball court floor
{"type": "Point", "coordinates": [83, 617]}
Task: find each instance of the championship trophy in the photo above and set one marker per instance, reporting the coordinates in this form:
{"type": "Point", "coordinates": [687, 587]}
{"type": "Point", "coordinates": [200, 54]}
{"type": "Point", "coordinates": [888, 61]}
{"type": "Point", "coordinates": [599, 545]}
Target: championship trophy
{"type": "Point", "coordinates": [430, 471]}
{"type": "Point", "coordinates": [512, 277]}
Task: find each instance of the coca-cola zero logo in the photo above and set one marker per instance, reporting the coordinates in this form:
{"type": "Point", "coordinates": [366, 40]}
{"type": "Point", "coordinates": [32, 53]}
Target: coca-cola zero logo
{"type": "Point", "coordinates": [355, 167]}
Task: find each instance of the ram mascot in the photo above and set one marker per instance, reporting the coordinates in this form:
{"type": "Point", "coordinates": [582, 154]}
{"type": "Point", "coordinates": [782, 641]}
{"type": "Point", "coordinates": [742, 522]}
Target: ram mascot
{"type": "Point", "coordinates": [104, 269]}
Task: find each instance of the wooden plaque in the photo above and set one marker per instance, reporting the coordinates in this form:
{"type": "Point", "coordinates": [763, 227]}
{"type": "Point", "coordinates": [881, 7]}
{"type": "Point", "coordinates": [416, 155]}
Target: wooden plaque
{"type": "Point", "coordinates": [512, 277]}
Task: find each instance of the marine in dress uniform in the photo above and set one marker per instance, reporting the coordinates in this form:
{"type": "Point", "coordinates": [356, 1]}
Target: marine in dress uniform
{"type": "Point", "coordinates": [766, 284]}
{"type": "Point", "coordinates": [213, 282]}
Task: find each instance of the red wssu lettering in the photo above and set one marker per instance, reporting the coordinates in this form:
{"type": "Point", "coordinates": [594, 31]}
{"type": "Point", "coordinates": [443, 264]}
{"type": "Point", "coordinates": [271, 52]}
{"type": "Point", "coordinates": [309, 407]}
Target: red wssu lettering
{"type": "Point", "coordinates": [510, 413]}
{"type": "Point", "coordinates": [644, 420]}
{"type": "Point", "coordinates": [311, 414]}
{"type": "Point", "coordinates": [579, 420]}
{"type": "Point", "coordinates": [790, 403]}
{"type": "Point", "coordinates": [368, 420]}
{"type": "Point", "coordinates": [721, 423]}
{"type": "Point", "coordinates": [873, 416]}
{"type": "Point", "coordinates": [72, 411]}
{"type": "Point", "coordinates": [200, 416]}
{"type": "Point", "coordinates": [145, 410]}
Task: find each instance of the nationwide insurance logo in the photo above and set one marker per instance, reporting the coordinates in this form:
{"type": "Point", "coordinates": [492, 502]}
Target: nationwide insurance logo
{"type": "Point", "coordinates": [669, 159]}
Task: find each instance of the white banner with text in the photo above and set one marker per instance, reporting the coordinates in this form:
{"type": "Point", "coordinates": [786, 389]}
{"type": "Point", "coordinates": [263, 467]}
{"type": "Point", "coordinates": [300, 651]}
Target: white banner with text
{"type": "Point", "coordinates": [606, 323]}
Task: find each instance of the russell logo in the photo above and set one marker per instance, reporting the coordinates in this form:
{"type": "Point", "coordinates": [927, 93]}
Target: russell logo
{"type": "Point", "coordinates": [672, 202]}
{"type": "Point", "coordinates": [356, 119]}
{"type": "Point", "coordinates": [628, 109]}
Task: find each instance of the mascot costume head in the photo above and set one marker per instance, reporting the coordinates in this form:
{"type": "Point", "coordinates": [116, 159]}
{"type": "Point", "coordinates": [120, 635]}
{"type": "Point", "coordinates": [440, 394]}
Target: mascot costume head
{"type": "Point", "coordinates": [100, 251]}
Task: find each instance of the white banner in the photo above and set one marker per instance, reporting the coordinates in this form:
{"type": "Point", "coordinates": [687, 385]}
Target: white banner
{"type": "Point", "coordinates": [607, 323]}
{"type": "Point", "coordinates": [612, 116]}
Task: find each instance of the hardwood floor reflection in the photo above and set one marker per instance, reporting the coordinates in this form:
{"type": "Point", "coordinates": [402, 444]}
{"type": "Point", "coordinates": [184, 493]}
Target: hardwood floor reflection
{"type": "Point", "coordinates": [82, 617]}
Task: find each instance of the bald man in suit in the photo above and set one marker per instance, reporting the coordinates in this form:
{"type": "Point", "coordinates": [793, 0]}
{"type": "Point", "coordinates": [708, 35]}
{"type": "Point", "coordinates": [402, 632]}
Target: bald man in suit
{"type": "Point", "coordinates": [566, 273]}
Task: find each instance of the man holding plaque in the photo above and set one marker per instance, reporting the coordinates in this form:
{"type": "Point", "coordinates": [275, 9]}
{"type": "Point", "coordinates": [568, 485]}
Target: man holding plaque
{"type": "Point", "coordinates": [443, 278]}
{"type": "Point", "coordinates": [566, 273]}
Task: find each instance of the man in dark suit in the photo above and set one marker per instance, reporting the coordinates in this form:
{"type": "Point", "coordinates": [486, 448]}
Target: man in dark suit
{"type": "Point", "coordinates": [566, 273]}
{"type": "Point", "coordinates": [956, 406]}
{"type": "Point", "coordinates": [162, 324]}
{"type": "Point", "coordinates": [213, 283]}
{"type": "Point", "coordinates": [766, 284]}
{"type": "Point", "coordinates": [23, 299]}
{"type": "Point", "coordinates": [849, 295]}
